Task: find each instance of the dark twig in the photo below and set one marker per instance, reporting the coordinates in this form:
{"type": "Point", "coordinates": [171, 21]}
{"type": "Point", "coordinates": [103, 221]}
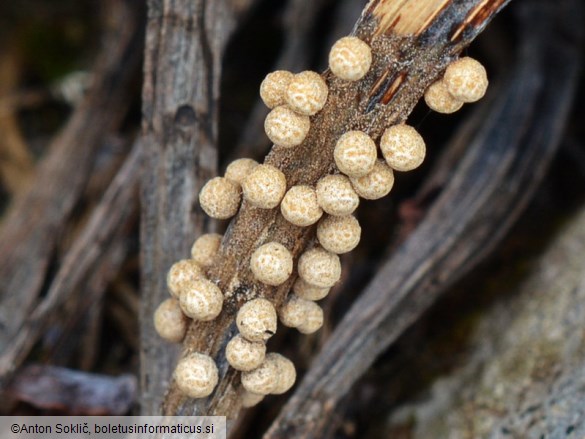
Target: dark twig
{"type": "Point", "coordinates": [73, 392]}
{"type": "Point", "coordinates": [90, 251]}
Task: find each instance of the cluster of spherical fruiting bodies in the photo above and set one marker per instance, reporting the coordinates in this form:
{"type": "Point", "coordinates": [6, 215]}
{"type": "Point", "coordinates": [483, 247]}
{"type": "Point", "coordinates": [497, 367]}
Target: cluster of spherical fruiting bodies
{"type": "Point", "coordinates": [364, 170]}
{"type": "Point", "coordinates": [193, 296]}
{"type": "Point", "coordinates": [464, 81]}
{"type": "Point", "coordinates": [292, 100]}
{"type": "Point", "coordinates": [262, 373]}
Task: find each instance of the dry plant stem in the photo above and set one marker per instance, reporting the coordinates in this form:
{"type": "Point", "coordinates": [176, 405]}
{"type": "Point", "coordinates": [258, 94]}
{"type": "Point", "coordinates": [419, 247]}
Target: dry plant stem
{"type": "Point", "coordinates": [497, 176]}
{"type": "Point", "coordinates": [90, 326]}
{"type": "Point", "coordinates": [184, 47]}
{"type": "Point", "coordinates": [78, 319]}
{"type": "Point", "coordinates": [404, 65]}
{"type": "Point", "coordinates": [31, 229]}
{"type": "Point", "coordinates": [96, 243]}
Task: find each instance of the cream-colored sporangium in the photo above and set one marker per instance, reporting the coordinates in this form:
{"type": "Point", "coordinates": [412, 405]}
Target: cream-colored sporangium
{"type": "Point", "coordinates": [319, 267]}
{"type": "Point", "coordinates": [220, 198]}
{"type": "Point", "coordinates": [286, 128]}
{"type": "Point", "coordinates": [402, 147]}
{"type": "Point", "coordinates": [336, 195]}
{"type": "Point", "coordinates": [257, 320]}
{"type": "Point", "coordinates": [264, 187]}
{"type": "Point", "coordinates": [306, 93]}
{"type": "Point", "coordinates": [271, 263]}
{"type": "Point", "coordinates": [196, 375]}
{"type": "Point", "coordinates": [350, 58]}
